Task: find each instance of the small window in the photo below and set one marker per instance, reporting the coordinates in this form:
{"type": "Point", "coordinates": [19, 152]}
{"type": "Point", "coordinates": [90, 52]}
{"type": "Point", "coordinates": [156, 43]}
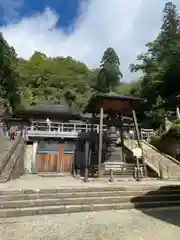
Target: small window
{"type": "Point", "coordinates": [69, 146]}
{"type": "Point", "coordinates": [48, 145]}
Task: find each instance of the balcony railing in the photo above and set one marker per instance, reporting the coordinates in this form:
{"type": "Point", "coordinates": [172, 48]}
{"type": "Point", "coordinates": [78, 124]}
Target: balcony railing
{"type": "Point", "coordinates": [62, 127]}
{"type": "Point", "coordinates": [59, 129]}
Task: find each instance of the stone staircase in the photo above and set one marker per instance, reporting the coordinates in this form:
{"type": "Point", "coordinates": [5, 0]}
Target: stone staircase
{"type": "Point", "coordinates": [120, 169]}
{"type": "Point", "coordinates": [164, 165]}
{"type": "Point", "coordinates": [11, 165]}
{"type": "Point", "coordinates": [5, 147]}
{"type": "Point", "coordinates": [14, 203]}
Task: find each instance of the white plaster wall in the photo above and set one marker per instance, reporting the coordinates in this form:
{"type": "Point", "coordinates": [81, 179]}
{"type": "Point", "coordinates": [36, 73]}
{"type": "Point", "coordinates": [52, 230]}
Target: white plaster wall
{"type": "Point", "coordinates": [28, 158]}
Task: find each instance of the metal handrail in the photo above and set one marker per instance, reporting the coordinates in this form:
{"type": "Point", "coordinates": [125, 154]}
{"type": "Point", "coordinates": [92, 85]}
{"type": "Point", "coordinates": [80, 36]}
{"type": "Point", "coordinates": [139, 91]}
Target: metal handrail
{"type": "Point", "coordinates": [149, 157]}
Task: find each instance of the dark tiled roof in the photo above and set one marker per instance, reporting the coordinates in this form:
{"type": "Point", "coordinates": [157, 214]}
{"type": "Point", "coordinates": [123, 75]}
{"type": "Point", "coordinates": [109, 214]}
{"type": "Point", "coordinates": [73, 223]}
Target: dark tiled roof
{"type": "Point", "coordinates": [51, 109]}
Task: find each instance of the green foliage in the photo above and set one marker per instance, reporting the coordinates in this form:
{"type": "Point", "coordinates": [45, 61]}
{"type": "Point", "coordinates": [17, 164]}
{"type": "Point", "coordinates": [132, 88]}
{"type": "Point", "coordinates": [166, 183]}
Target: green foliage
{"type": "Point", "coordinates": [169, 142]}
{"type": "Point", "coordinates": [155, 141]}
{"type": "Point", "coordinates": [109, 74]}
{"type": "Point", "coordinates": [55, 80]}
{"type": "Point", "coordinates": [161, 65]}
{"type": "Point", "coordinates": [129, 89]}
{"type": "Point", "coordinates": [174, 132]}
{"type": "Point", "coordinates": [9, 76]}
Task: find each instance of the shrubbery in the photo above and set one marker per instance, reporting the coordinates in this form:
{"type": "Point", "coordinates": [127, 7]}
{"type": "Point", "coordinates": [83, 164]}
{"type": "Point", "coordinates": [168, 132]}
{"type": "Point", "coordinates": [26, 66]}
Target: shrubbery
{"type": "Point", "coordinates": [169, 142]}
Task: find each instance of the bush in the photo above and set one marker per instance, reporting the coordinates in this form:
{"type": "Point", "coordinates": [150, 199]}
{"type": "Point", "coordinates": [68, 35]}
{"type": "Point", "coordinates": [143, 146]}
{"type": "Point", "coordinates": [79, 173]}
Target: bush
{"type": "Point", "coordinates": [174, 132]}
{"type": "Point", "coordinates": [169, 142]}
{"type": "Point", "coordinates": [155, 141]}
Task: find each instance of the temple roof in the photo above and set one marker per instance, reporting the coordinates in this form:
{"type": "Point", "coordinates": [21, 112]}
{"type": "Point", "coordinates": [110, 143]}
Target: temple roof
{"type": "Point", "coordinates": [51, 109]}
{"type": "Point", "coordinates": [112, 103]}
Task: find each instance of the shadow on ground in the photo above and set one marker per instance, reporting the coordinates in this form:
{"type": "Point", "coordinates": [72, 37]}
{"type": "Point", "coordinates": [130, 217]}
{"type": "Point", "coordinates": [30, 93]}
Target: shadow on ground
{"type": "Point", "coordinates": [167, 198]}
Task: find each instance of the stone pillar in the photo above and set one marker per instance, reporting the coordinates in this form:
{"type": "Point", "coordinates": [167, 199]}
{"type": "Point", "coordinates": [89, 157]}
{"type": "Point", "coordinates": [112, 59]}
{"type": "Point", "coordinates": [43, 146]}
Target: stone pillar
{"type": "Point", "coordinates": [168, 124]}
{"type": "Point", "coordinates": [34, 155]}
{"type": "Point", "coordinates": [28, 158]}
{"type": "Point", "coordinates": [177, 112]}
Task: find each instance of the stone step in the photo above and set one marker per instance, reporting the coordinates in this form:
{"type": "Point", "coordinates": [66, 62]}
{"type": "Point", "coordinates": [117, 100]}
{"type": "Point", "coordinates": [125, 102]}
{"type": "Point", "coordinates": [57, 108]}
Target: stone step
{"type": "Point", "coordinates": [59, 195]}
{"type": "Point", "coordinates": [90, 189]}
{"type": "Point", "coordinates": [87, 201]}
{"type": "Point", "coordinates": [31, 211]}
{"type": "Point", "coordinates": [69, 195]}
{"type": "Point", "coordinates": [76, 190]}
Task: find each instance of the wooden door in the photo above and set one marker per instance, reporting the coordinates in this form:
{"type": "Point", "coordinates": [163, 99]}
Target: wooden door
{"type": "Point", "coordinates": [68, 161]}
{"type": "Point", "coordinates": [47, 162]}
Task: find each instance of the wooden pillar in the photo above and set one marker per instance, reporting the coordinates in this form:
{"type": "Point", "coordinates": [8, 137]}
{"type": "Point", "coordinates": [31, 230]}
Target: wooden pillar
{"type": "Point", "coordinates": [177, 112]}
{"type": "Point", "coordinates": [122, 139]}
{"type": "Point", "coordinates": [86, 160]}
{"type": "Point", "coordinates": [139, 139]}
{"type": "Point", "coordinates": [100, 141]}
{"type": "Point", "coordinates": [91, 140]}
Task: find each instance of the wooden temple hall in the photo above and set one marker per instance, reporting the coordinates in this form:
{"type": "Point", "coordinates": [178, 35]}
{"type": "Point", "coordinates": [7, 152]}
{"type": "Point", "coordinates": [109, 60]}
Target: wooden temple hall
{"type": "Point", "coordinates": [88, 144]}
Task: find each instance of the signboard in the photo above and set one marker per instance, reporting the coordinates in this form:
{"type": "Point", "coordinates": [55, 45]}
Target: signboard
{"type": "Point", "coordinates": [137, 152]}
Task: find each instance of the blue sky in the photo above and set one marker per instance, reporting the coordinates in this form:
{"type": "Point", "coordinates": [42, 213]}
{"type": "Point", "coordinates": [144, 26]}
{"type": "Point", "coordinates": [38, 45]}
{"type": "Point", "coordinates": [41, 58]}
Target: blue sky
{"type": "Point", "coordinates": [83, 29]}
{"type": "Point", "coordinates": [67, 9]}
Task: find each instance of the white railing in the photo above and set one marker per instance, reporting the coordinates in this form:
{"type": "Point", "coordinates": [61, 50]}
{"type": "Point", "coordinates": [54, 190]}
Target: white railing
{"type": "Point", "coordinates": [62, 127]}
{"type": "Point", "coordinates": [73, 128]}
{"type": "Point", "coordinates": [146, 134]}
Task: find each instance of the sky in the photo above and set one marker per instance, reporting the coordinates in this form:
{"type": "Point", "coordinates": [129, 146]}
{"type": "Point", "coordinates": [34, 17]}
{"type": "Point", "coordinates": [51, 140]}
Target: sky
{"type": "Point", "coordinates": [83, 29]}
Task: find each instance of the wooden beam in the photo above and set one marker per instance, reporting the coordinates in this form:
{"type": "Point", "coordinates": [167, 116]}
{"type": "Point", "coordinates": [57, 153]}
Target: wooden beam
{"type": "Point", "coordinates": [139, 139]}
{"type": "Point", "coordinates": [91, 140]}
{"type": "Point", "coordinates": [100, 140]}
{"type": "Point", "coordinates": [122, 140]}
{"type": "Point", "coordinates": [136, 128]}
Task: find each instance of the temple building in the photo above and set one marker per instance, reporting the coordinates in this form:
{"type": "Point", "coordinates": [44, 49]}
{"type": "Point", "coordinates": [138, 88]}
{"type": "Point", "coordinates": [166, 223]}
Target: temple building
{"type": "Point", "coordinates": [81, 144]}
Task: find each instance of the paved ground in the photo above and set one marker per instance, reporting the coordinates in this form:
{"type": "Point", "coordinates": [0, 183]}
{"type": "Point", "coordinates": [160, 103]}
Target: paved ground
{"type": "Point", "coordinates": [112, 225]}
{"type": "Point", "coordinates": [37, 182]}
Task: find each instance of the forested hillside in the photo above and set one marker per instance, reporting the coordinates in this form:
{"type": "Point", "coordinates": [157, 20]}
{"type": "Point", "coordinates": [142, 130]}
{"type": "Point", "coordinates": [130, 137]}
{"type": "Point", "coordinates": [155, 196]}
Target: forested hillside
{"type": "Point", "coordinates": [43, 79]}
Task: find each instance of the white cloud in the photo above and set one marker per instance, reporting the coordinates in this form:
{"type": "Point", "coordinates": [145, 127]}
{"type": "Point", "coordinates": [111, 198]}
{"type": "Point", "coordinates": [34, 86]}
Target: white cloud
{"type": "Point", "coordinates": [124, 25]}
{"type": "Point", "coordinates": [10, 9]}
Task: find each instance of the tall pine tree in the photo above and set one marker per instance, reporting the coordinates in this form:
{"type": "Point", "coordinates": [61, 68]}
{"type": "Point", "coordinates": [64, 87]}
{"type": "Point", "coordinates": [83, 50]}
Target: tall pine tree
{"type": "Point", "coordinates": [161, 64]}
{"type": "Point", "coordinates": [109, 74]}
{"type": "Point", "coordinates": [170, 54]}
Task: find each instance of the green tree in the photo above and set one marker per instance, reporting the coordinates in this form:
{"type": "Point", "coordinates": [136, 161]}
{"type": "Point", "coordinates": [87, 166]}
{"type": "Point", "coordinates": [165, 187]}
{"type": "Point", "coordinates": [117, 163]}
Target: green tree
{"type": "Point", "coordinates": [9, 76]}
{"type": "Point", "coordinates": [109, 74]}
{"type": "Point", "coordinates": [170, 51]}
{"type": "Point", "coordinates": [129, 89]}
{"type": "Point", "coordinates": [161, 64]}
{"type": "Point", "coordinates": [55, 80]}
